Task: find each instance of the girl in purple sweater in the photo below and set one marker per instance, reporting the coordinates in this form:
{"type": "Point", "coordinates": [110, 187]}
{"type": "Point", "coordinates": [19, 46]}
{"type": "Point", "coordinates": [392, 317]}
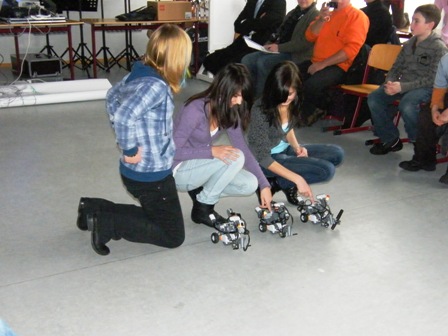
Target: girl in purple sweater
{"type": "Point", "coordinates": [206, 169]}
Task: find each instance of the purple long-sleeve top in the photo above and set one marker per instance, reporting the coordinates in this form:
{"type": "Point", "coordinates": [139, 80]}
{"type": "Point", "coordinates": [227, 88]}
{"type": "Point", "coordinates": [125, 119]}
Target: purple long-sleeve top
{"type": "Point", "coordinates": [193, 139]}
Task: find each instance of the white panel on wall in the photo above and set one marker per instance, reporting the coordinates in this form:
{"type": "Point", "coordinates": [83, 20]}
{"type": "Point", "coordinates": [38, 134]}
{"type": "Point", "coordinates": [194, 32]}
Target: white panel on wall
{"type": "Point", "coordinates": [220, 28]}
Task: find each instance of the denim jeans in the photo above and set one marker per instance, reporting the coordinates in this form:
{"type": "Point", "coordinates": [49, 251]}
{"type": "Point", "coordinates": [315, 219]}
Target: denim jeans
{"type": "Point", "coordinates": [319, 166]}
{"type": "Point", "coordinates": [260, 64]}
{"type": "Point", "coordinates": [158, 221]}
{"type": "Point", "coordinates": [217, 178]}
{"type": "Point", "coordinates": [383, 112]}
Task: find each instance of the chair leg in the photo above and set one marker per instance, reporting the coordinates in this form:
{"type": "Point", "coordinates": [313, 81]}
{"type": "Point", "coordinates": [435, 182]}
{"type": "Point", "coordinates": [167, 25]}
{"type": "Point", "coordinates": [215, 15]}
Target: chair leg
{"type": "Point", "coordinates": [338, 130]}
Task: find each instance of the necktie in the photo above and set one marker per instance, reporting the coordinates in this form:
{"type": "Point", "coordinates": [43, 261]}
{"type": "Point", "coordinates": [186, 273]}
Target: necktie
{"type": "Point", "coordinates": [257, 7]}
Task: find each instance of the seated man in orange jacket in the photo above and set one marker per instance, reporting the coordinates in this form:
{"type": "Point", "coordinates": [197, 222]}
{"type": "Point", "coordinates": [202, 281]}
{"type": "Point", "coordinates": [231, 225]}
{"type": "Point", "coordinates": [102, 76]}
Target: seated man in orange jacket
{"type": "Point", "coordinates": [338, 35]}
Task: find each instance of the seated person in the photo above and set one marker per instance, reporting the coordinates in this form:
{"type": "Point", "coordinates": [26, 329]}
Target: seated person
{"type": "Point", "coordinates": [289, 166]}
{"type": "Point", "coordinates": [400, 18]}
{"type": "Point", "coordinates": [258, 19]}
{"type": "Point", "coordinates": [432, 123]}
{"type": "Point", "coordinates": [209, 171]}
{"type": "Point", "coordinates": [410, 80]}
{"type": "Point", "coordinates": [290, 42]}
{"type": "Point", "coordinates": [338, 36]}
{"type": "Point", "coordinates": [381, 28]}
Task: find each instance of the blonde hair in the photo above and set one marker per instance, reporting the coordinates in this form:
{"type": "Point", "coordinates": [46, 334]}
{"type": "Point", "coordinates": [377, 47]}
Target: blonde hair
{"type": "Point", "coordinates": [169, 52]}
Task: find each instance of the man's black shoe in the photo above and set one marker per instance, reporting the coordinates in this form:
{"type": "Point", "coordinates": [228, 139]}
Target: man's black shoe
{"type": "Point", "coordinates": [384, 148]}
{"type": "Point", "coordinates": [97, 245]}
{"type": "Point", "coordinates": [414, 165]}
{"type": "Point", "coordinates": [444, 178]}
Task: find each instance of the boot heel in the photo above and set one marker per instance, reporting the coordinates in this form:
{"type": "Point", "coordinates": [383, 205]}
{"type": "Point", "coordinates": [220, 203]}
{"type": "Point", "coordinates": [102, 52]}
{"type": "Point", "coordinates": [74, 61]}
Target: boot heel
{"type": "Point", "coordinates": [89, 222]}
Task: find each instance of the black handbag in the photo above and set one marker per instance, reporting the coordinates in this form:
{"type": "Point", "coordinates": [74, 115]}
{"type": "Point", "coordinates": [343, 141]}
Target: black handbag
{"type": "Point", "coordinates": [145, 13]}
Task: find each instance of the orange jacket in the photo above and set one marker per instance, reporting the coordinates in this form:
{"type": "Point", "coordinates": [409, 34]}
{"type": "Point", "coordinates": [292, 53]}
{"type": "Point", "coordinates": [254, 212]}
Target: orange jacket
{"type": "Point", "coordinates": [347, 31]}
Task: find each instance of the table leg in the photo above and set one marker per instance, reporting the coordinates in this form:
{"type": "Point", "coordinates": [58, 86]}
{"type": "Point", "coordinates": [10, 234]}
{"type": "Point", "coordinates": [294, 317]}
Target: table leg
{"type": "Point", "coordinates": [70, 52]}
{"type": "Point", "coordinates": [94, 59]}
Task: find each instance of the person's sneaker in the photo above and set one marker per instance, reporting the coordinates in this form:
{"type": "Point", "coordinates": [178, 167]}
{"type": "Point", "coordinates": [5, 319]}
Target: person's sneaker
{"type": "Point", "coordinates": [414, 165]}
{"type": "Point", "coordinates": [444, 178]}
{"type": "Point", "coordinates": [384, 148]}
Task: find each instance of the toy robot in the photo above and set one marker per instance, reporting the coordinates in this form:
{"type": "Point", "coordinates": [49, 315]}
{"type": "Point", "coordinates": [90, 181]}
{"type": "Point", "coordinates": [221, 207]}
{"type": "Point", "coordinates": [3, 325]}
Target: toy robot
{"type": "Point", "coordinates": [275, 221]}
{"type": "Point", "coordinates": [318, 212]}
{"type": "Point", "coordinates": [232, 232]}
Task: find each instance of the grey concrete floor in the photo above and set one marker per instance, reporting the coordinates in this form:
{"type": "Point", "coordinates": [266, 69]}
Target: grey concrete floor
{"type": "Point", "coordinates": [383, 271]}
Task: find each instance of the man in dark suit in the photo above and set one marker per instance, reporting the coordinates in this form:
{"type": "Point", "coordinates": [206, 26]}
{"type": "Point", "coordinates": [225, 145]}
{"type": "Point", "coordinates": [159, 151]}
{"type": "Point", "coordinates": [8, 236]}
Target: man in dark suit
{"type": "Point", "coordinates": [258, 19]}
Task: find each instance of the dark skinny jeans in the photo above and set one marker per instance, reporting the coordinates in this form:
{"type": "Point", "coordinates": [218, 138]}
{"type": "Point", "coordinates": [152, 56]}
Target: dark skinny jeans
{"type": "Point", "coordinates": [158, 221]}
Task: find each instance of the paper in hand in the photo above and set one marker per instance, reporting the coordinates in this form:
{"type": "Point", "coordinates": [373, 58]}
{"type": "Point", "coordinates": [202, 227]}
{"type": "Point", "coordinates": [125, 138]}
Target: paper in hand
{"type": "Point", "coordinates": [255, 45]}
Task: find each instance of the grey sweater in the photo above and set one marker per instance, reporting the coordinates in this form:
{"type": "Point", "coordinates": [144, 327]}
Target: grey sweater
{"type": "Point", "coordinates": [261, 137]}
{"type": "Point", "coordinates": [298, 46]}
{"type": "Point", "coordinates": [416, 65]}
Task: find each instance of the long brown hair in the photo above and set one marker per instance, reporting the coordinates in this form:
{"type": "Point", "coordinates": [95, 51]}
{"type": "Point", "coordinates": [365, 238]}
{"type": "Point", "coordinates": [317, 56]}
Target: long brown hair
{"type": "Point", "coordinates": [229, 81]}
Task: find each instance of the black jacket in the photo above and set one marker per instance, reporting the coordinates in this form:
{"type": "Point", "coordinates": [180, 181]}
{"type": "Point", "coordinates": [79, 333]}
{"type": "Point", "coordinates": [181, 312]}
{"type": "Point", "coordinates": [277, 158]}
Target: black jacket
{"type": "Point", "coordinates": [268, 19]}
{"type": "Point", "coordinates": [380, 29]}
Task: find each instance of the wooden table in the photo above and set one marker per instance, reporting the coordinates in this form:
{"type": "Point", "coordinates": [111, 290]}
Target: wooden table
{"type": "Point", "coordinates": [105, 25]}
{"type": "Point", "coordinates": [18, 29]}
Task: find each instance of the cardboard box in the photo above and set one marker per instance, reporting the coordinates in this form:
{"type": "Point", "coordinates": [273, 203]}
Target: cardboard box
{"type": "Point", "coordinates": [36, 65]}
{"type": "Point", "coordinates": [172, 10]}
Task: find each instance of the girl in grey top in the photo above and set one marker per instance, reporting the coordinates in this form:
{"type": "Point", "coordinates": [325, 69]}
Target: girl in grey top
{"type": "Point", "coordinates": [289, 166]}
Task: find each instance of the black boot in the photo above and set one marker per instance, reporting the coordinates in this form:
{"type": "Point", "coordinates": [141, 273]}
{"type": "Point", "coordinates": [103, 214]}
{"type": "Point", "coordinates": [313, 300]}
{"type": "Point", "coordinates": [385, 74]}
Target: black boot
{"type": "Point", "coordinates": [274, 185]}
{"type": "Point", "coordinates": [291, 195]}
{"type": "Point", "coordinates": [200, 214]}
{"type": "Point", "coordinates": [274, 188]}
{"type": "Point", "coordinates": [97, 241]}
{"type": "Point", "coordinates": [81, 222]}
{"type": "Point", "coordinates": [193, 193]}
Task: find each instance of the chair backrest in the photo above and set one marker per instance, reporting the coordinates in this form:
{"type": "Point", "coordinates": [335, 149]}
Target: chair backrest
{"type": "Point", "coordinates": [383, 56]}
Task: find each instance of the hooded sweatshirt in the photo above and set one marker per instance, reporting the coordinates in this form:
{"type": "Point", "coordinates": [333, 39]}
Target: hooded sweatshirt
{"type": "Point", "coordinates": [140, 109]}
{"type": "Point", "coordinates": [416, 64]}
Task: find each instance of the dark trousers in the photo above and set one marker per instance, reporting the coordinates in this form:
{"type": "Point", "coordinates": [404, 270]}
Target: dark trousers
{"type": "Point", "coordinates": [233, 53]}
{"type": "Point", "coordinates": [316, 87]}
{"type": "Point", "coordinates": [158, 221]}
{"type": "Point", "coordinates": [428, 136]}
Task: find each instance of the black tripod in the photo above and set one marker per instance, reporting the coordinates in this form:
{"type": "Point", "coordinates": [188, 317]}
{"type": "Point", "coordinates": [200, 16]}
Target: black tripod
{"type": "Point", "coordinates": [82, 53]}
{"type": "Point", "coordinates": [129, 52]}
{"type": "Point", "coordinates": [104, 49]}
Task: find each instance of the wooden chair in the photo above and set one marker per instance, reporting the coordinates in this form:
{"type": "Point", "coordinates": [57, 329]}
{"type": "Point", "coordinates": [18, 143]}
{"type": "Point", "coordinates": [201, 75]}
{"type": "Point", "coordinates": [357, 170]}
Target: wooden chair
{"type": "Point", "coordinates": [382, 57]}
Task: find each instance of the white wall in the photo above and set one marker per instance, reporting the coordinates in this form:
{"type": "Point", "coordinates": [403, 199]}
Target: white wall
{"type": "Point", "coordinates": [115, 40]}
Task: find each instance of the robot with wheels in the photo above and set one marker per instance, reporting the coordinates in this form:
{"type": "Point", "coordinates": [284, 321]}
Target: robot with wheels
{"type": "Point", "coordinates": [275, 221]}
{"type": "Point", "coordinates": [318, 212]}
{"type": "Point", "coordinates": [232, 232]}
